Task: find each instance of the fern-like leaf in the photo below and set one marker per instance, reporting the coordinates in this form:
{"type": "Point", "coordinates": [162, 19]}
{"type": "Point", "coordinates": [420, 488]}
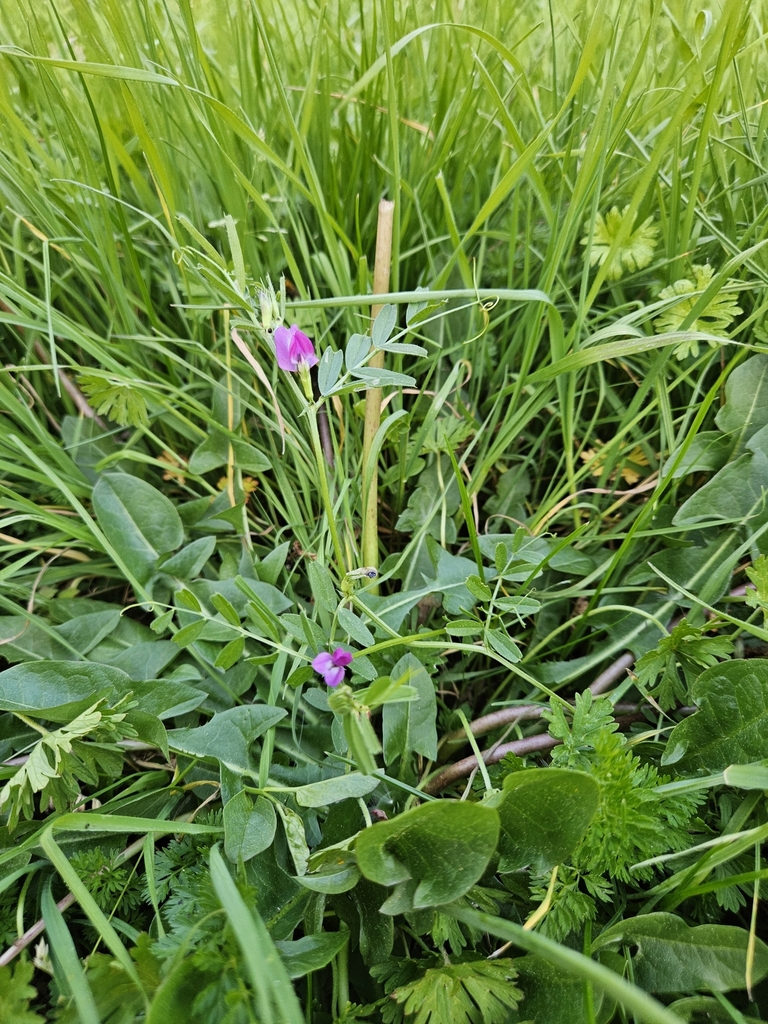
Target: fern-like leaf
{"type": "Point", "coordinates": [633, 254]}
{"type": "Point", "coordinates": [686, 650]}
{"type": "Point", "coordinates": [474, 992]}
{"type": "Point", "coordinates": [116, 399]}
{"type": "Point", "coordinates": [715, 318]}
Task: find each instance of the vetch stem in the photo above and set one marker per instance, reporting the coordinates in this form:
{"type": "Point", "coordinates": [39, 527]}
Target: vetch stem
{"type": "Point", "coordinates": [325, 493]}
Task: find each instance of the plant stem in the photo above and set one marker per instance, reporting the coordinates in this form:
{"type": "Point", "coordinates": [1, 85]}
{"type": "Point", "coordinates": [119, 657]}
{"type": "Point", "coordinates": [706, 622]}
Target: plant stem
{"type": "Point", "coordinates": [325, 493]}
{"type": "Point", "coordinates": [370, 545]}
{"type": "Point", "coordinates": [342, 961]}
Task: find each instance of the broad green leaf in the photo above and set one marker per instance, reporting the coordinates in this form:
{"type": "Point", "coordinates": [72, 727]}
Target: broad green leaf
{"type": "Point", "coordinates": [188, 600]}
{"type": "Point", "coordinates": [437, 851]}
{"type": "Point", "coordinates": [521, 606]}
{"type": "Point", "coordinates": [322, 586]}
{"type": "Point", "coordinates": [671, 957]}
{"type": "Point", "coordinates": [188, 563]}
{"type": "Point", "coordinates": [84, 632]}
{"type": "Point", "coordinates": [731, 726]}
{"type": "Point", "coordinates": [175, 997]}
{"type": "Point", "coordinates": [311, 952]}
{"type": "Point", "coordinates": [225, 609]}
{"type": "Point", "coordinates": [189, 633]}
{"type": "Point", "coordinates": [148, 728]}
{"type": "Point", "coordinates": [550, 996]}
{"type": "Point", "coordinates": [231, 654]}
{"type": "Point", "coordinates": [377, 930]}
{"type": "Point", "coordinates": [331, 872]}
{"type": "Point", "coordinates": [25, 638]}
{"type": "Point", "coordinates": [384, 324]}
{"type": "Point", "coordinates": [296, 837]}
{"type": "Point", "coordinates": [59, 690]}
{"type": "Point", "coordinates": [138, 520]}
{"type": "Point", "coordinates": [215, 451]}
{"type": "Point", "coordinates": [409, 726]}
{"type": "Point", "coordinates": [228, 736]}
{"type": "Point", "coordinates": [333, 791]}
{"type": "Point", "coordinates": [167, 698]}
{"type": "Point", "coordinates": [356, 628]}
{"type": "Point", "coordinates": [733, 494]}
{"type": "Point", "coordinates": [693, 1009]}
{"type": "Point", "coordinates": [238, 590]}
{"type": "Point", "coordinates": [544, 812]}
{"type": "Point", "coordinates": [329, 369]}
{"type": "Point", "coordinates": [707, 452]}
{"type": "Point", "coordinates": [464, 627]}
{"type": "Point", "coordinates": [403, 349]}
{"type": "Point", "coordinates": [146, 660]}
{"type": "Point", "coordinates": [358, 347]}
{"type": "Point", "coordinates": [249, 827]}
{"type": "Point", "coordinates": [746, 400]}
{"type": "Point", "coordinates": [270, 567]}
{"type": "Point", "coordinates": [377, 378]}
{"type": "Point", "coordinates": [478, 588]}
{"type": "Point", "coordinates": [504, 645]}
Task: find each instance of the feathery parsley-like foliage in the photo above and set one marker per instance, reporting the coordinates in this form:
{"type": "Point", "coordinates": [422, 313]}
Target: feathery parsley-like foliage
{"type": "Point", "coordinates": [668, 672]}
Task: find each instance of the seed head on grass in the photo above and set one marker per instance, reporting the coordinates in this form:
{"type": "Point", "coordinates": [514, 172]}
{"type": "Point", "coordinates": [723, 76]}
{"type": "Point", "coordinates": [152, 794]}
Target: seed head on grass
{"type": "Point", "coordinates": [715, 318]}
{"type": "Point", "coordinates": [633, 254]}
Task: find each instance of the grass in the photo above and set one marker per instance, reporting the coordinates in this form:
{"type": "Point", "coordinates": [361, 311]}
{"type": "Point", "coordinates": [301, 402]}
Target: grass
{"type": "Point", "coordinates": [162, 160]}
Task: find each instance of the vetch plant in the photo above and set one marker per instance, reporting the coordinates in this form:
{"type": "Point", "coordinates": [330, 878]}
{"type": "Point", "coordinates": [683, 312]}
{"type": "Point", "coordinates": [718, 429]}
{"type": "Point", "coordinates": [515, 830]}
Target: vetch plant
{"type": "Point", "coordinates": [332, 666]}
{"type": "Point", "coordinates": [294, 350]}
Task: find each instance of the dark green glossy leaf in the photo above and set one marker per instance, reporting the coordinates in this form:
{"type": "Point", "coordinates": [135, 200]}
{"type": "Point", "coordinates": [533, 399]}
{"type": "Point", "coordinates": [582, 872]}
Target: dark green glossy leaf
{"type": "Point", "coordinates": [434, 853]}
{"type": "Point", "coordinates": [671, 957]}
{"type": "Point", "coordinates": [228, 736]}
{"type": "Point", "coordinates": [138, 520]}
{"type": "Point", "coordinates": [544, 813]}
{"type": "Point", "coordinates": [731, 726]}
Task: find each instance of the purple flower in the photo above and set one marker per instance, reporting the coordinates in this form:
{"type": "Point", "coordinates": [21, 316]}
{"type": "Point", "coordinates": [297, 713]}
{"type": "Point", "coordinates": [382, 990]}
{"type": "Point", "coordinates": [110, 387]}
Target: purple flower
{"type": "Point", "coordinates": [293, 349]}
{"type": "Point", "coordinates": [331, 666]}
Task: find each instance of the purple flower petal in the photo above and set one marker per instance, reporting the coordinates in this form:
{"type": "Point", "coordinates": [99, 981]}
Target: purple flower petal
{"type": "Point", "coordinates": [340, 657]}
{"type": "Point", "coordinates": [283, 349]}
{"type": "Point", "coordinates": [293, 348]}
{"type": "Point", "coordinates": [301, 348]}
{"type": "Point", "coordinates": [322, 663]}
{"type": "Point", "coordinates": [334, 676]}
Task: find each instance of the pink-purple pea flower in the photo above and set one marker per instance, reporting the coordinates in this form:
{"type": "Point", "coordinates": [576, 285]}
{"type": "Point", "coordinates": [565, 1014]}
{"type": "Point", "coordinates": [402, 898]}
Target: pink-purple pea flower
{"type": "Point", "coordinates": [331, 666]}
{"type": "Point", "coordinates": [293, 349]}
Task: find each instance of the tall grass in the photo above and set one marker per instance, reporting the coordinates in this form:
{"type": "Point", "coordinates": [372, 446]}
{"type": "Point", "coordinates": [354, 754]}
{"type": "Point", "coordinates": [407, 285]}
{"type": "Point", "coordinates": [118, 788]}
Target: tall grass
{"type": "Point", "coordinates": [501, 133]}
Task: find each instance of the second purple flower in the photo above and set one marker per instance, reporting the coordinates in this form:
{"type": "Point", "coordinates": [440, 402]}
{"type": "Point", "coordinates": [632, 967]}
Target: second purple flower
{"type": "Point", "coordinates": [293, 349]}
{"type": "Point", "coordinates": [332, 666]}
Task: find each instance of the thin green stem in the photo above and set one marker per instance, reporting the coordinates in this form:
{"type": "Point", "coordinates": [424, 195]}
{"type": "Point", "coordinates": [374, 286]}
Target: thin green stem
{"type": "Point", "coordinates": [325, 493]}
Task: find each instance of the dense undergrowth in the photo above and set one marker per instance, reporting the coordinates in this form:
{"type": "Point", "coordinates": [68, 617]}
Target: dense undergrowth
{"type": "Point", "coordinates": [241, 778]}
